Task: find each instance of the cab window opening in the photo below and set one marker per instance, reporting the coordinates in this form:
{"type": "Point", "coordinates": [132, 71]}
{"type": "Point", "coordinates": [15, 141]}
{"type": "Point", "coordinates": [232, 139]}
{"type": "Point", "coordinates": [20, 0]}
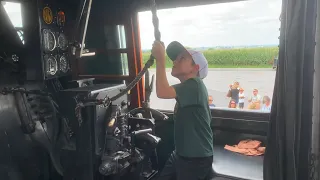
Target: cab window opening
{"type": "Point", "coordinates": [240, 47]}
{"type": "Point", "coordinates": [13, 10]}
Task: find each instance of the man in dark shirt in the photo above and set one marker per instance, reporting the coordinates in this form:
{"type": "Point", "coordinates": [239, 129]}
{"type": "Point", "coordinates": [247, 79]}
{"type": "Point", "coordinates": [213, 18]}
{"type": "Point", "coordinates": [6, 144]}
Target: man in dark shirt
{"type": "Point", "coordinates": [193, 155]}
{"type": "Point", "coordinates": [233, 92]}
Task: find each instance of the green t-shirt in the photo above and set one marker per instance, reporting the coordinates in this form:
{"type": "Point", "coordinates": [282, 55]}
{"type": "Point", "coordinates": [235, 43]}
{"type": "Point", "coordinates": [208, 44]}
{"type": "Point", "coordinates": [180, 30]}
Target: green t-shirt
{"type": "Point", "coordinates": [192, 118]}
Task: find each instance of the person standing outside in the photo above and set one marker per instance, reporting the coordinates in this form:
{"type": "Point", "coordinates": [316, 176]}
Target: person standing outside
{"type": "Point", "coordinates": [193, 155]}
{"type": "Point", "coordinates": [232, 104]}
{"type": "Point", "coordinates": [233, 92]}
{"type": "Point", "coordinates": [210, 102]}
{"type": "Point", "coordinates": [255, 100]}
{"type": "Point", "coordinates": [241, 98]}
{"type": "Point", "coordinates": [266, 106]}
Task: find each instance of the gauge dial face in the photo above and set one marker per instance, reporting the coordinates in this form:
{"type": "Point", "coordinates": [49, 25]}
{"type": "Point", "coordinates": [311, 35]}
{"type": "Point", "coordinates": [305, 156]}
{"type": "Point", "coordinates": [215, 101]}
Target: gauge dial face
{"type": "Point", "coordinates": [49, 40]}
{"type": "Point", "coordinates": [62, 42]}
{"type": "Point", "coordinates": [52, 66]}
{"type": "Point", "coordinates": [64, 65]}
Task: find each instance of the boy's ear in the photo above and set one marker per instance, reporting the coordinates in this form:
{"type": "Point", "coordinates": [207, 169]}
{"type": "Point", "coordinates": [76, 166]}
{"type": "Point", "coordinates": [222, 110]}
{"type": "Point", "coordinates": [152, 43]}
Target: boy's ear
{"type": "Point", "coordinates": [197, 67]}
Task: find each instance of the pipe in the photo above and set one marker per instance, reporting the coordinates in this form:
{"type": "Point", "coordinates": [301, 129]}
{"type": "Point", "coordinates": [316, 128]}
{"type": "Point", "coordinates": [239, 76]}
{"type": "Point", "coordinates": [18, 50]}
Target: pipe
{"type": "Point", "coordinates": [314, 170]}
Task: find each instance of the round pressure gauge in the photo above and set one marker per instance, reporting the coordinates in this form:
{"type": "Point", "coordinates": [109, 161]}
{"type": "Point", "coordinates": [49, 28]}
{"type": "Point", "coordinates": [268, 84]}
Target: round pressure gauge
{"type": "Point", "coordinates": [49, 40]}
{"type": "Point", "coordinates": [64, 65]}
{"type": "Point", "coordinates": [51, 66]}
{"type": "Point", "coordinates": [62, 42]}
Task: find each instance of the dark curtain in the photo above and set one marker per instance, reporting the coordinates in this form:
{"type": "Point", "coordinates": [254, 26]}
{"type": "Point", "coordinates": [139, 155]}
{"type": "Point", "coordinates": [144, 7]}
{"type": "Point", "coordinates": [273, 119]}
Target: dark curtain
{"type": "Point", "coordinates": [289, 136]}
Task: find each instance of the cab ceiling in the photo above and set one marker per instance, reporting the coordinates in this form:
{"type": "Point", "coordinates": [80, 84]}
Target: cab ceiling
{"type": "Point", "coordinates": [144, 5]}
{"type": "Point", "coordinates": [166, 4]}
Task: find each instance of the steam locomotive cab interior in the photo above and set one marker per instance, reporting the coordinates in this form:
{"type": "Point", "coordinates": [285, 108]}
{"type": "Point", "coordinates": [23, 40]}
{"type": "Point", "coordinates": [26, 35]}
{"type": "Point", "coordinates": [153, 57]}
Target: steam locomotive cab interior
{"type": "Point", "coordinates": [69, 103]}
{"type": "Point", "coordinates": [68, 114]}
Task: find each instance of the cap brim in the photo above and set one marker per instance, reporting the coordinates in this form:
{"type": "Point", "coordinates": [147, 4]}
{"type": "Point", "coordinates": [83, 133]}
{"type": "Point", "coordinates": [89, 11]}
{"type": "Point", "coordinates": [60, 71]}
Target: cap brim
{"type": "Point", "coordinates": [174, 49]}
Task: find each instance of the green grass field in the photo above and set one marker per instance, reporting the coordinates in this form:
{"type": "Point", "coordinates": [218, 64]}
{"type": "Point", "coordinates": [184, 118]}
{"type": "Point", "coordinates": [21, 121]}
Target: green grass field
{"type": "Point", "coordinates": [235, 58]}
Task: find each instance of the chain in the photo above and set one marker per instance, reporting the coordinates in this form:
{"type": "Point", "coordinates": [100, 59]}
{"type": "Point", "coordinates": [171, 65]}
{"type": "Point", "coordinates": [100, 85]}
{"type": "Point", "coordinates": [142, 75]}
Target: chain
{"type": "Point", "coordinates": [155, 20]}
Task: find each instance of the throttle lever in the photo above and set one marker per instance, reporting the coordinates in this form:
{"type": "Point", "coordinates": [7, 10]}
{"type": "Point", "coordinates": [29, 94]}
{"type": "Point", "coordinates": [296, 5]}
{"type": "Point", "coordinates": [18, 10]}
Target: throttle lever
{"type": "Point", "coordinates": [151, 84]}
{"type": "Point", "coordinates": [133, 136]}
{"type": "Point", "coordinates": [152, 140]}
{"type": "Point", "coordinates": [155, 139]}
{"type": "Point", "coordinates": [143, 131]}
{"type": "Point", "coordinates": [148, 90]}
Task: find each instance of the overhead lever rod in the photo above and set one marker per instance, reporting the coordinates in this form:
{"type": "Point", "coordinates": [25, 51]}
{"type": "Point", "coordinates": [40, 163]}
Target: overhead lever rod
{"type": "Point", "coordinates": [78, 48]}
{"type": "Point", "coordinates": [82, 53]}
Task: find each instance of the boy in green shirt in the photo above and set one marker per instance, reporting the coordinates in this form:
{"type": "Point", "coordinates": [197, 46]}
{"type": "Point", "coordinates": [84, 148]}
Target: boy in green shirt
{"type": "Point", "coordinates": [193, 155]}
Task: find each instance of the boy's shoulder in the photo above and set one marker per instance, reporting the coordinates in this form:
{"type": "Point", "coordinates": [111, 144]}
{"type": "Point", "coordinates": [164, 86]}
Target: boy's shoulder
{"type": "Point", "coordinates": [194, 80]}
{"type": "Point", "coordinates": [197, 79]}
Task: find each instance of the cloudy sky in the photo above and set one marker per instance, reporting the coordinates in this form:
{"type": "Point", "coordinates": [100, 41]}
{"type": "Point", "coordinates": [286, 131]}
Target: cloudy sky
{"type": "Point", "coordinates": [253, 22]}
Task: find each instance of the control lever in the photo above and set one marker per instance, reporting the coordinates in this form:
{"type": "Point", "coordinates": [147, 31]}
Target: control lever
{"type": "Point", "coordinates": [86, 53]}
{"type": "Point", "coordinates": [79, 51]}
{"type": "Point", "coordinates": [134, 135]}
{"type": "Point", "coordinates": [82, 24]}
{"type": "Point", "coordinates": [156, 114]}
{"type": "Point", "coordinates": [145, 135]}
{"type": "Point", "coordinates": [143, 131]}
{"type": "Point", "coordinates": [151, 84]}
{"type": "Point", "coordinates": [148, 89]}
{"type": "Point", "coordinates": [154, 140]}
